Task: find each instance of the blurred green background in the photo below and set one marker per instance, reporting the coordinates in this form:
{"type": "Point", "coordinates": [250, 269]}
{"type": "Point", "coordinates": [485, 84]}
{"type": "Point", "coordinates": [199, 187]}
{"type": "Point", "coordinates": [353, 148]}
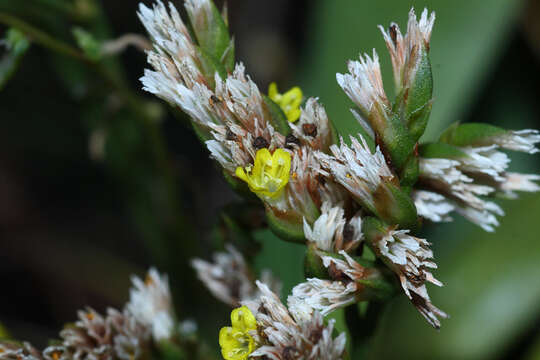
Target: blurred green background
{"type": "Point", "coordinates": [99, 180]}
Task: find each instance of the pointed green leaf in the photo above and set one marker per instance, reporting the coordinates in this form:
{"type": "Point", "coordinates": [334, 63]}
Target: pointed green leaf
{"type": "Point", "coordinates": [471, 134]}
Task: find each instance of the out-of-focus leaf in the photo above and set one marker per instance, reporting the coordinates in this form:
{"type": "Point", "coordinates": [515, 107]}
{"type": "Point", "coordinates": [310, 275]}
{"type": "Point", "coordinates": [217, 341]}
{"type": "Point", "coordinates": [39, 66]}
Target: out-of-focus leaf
{"type": "Point", "coordinates": [464, 47]}
{"type": "Point", "coordinates": [88, 43]}
{"type": "Point", "coordinates": [17, 45]}
{"type": "Point", "coordinates": [491, 293]}
{"type": "Point", "coordinates": [4, 334]}
{"type": "Point", "coordinates": [284, 258]}
{"type": "Point", "coordinates": [534, 352]}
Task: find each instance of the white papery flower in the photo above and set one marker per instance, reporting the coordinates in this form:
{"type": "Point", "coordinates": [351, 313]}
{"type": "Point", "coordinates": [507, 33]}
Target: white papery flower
{"type": "Point", "coordinates": [151, 304]}
{"type": "Point", "coordinates": [313, 127]}
{"type": "Point", "coordinates": [444, 176]}
{"type": "Point", "coordinates": [405, 51]}
{"type": "Point", "coordinates": [283, 334]}
{"type": "Point", "coordinates": [519, 182]}
{"type": "Point", "coordinates": [484, 160]}
{"type": "Point", "coordinates": [331, 231]}
{"type": "Point", "coordinates": [432, 206]}
{"type": "Point", "coordinates": [518, 140]}
{"type": "Point", "coordinates": [356, 168]}
{"type": "Point", "coordinates": [229, 279]}
{"type": "Point", "coordinates": [411, 259]}
{"type": "Point", "coordinates": [364, 85]}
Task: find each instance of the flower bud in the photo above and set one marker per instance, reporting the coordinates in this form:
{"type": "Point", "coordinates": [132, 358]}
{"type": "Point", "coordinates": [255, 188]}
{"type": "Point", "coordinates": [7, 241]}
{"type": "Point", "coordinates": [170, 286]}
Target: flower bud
{"type": "Point", "coordinates": [211, 32]}
{"type": "Point", "coordinates": [412, 70]}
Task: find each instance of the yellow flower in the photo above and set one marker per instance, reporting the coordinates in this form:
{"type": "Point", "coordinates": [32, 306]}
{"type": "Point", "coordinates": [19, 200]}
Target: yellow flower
{"type": "Point", "coordinates": [289, 102]}
{"type": "Point", "coordinates": [235, 341]}
{"type": "Point", "coordinates": [270, 173]}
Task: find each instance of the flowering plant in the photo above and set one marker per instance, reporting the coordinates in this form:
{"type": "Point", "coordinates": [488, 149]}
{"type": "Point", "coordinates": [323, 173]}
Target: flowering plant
{"type": "Point", "coordinates": [356, 204]}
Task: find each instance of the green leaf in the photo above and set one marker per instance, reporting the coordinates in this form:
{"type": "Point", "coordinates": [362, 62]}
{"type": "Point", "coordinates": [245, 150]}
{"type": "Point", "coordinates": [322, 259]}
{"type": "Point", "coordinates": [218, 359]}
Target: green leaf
{"type": "Point", "coordinates": [441, 150]}
{"type": "Point", "coordinates": [88, 43]}
{"type": "Point", "coordinates": [17, 45]}
{"type": "Point", "coordinates": [471, 134]}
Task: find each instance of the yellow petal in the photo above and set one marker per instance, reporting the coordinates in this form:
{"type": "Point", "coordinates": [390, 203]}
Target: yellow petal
{"type": "Point", "coordinates": [293, 114]}
{"type": "Point", "coordinates": [241, 174]}
{"type": "Point", "coordinates": [273, 92]}
{"type": "Point", "coordinates": [293, 97]}
{"type": "Point", "coordinates": [242, 319]}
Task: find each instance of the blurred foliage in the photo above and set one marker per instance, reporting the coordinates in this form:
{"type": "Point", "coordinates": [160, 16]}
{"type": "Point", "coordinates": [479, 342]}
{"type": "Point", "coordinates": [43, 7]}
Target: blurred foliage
{"type": "Point", "coordinates": [16, 45]}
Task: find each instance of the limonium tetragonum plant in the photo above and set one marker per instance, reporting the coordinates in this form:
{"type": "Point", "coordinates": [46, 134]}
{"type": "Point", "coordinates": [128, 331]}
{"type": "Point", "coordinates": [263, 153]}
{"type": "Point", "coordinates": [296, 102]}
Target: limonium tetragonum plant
{"type": "Point", "coordinates": [356, 203]}
{"type": "Point", "coordinates": [341, 197]}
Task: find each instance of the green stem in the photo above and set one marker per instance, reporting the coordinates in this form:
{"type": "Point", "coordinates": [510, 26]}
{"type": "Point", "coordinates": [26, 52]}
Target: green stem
{"type": "Point", "coordinates": [42, 38]}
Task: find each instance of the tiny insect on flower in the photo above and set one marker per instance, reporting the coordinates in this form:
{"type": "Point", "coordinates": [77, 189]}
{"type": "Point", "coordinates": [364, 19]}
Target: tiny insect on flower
{"type": "Point", "coordinates": [235, 341]}
{"type": "Point", "coordinates": [270, 173]}
{"type": "Point", "coordinates": [289, 101]}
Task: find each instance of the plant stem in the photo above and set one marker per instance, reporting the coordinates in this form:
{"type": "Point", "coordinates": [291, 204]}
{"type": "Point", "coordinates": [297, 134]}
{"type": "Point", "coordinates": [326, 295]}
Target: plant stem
{"type": "Point", "coordinates": [42, 38]}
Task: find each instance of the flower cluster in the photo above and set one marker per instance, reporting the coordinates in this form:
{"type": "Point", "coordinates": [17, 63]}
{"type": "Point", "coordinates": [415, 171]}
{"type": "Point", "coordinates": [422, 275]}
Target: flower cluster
{"type": "Point", "coordinates": [338, 197]}
{"type": "Point", "coordinates": [128, 334]}
{"type": "Point", "coordinates": [230, 280]}
{"type": "Point", "coordinates": [465, 166]}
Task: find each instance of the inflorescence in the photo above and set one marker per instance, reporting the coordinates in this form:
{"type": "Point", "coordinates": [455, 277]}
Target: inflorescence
{"type": "Point", "coordinates": [338, 197]}
{"type": "Point", "coordinates": [342, 198]}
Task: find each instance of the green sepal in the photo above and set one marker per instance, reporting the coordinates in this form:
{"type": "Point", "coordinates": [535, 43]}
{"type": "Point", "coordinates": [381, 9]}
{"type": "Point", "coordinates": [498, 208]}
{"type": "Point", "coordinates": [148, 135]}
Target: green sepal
{"type": "Point", "coordinates": [395, 206]}
{"type": "Point", "coordinates": [373, 229]}
{"type": "Point", "coordinates": [471, 134]}
{"type": "Point", "coordinates": [409, 173]}
{"type": "Point", "coordinates": [288, 229]}
{"type": "Point", "coordinates": [212, 34]}
{"type": "Point", "coordinates": [210, 66]}
{"type": "Point", "coordinates": [228, 57]}
{"type": "Point", "coordinates": [441, 151]}
{"type": "Point", "coordinates": [335, 136]}
{"type": "Point", "coordinates": [418, 120]}
{"type": "Point", "coordinates": [170, 351]}
{"type": "Point", "coordinates": [88, 43]}
{"type": "Point", "coordinates": [397, 141]}
{"type": "Point", "coordinates": [418, 98]}
{"type": "Point", "coordinates": [17, 45]}
{"type": "Point", "coordinates": [277, 117]}
{"type": "Point", "coordinates": [202, 134]}
{"type": "Point", "coordinates": [239, 186]}
{"type": "Point", "coordinates": [313, 265]}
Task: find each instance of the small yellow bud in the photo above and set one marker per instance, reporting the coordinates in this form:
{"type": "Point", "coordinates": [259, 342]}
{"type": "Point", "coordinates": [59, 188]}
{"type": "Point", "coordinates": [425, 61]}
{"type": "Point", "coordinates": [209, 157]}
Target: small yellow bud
{"type": "Point", "coordinates": [235, 341]}
{"type": "Point", "coordinates": [270, 173]}
{"type": "Point", "coordinates": [289, 102]}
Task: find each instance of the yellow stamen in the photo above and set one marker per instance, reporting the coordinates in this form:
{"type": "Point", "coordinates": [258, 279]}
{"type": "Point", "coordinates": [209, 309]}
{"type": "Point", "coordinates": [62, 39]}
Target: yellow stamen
{"type": "Point", "coordinates": [269, 174]}
{"type": "Point", "coordinates": [235, 341]}
{"type": "Point", "coordinates": [289, 102]}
